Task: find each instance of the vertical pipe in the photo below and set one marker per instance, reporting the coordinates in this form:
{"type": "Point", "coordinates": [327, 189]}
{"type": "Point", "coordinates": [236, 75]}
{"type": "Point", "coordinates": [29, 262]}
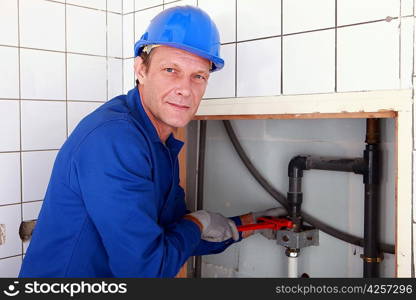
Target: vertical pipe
{"type": "Point", "coordinates": [292, 263]}
{"type": "Point", "coordinates": [200, 184]}
{"type": "Point", "coordinates": [371, 256]}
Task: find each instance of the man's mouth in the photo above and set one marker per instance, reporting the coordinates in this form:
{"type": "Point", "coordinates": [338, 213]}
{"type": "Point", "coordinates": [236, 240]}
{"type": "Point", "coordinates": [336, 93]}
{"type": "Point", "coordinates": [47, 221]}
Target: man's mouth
{"type": "Point", "coordinates": [179, 106]}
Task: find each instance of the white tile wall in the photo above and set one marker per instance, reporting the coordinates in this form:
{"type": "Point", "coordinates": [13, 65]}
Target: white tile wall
{"type": "Point", "coordinates": [258, 68]}
{"type": "Point", "coordinates": [115, 77]}
{"type": "Point", "coordinates": [9, 178]}
{"type": "Point", "coordinates": [36, 31]}
{"type": "Point", "coordinates": [303, 15]}
{"type": "Point", "coordinates": [128, 77]}
{"type": "Point", "coordinates": [30, 212]}
{"type": "Point", "coordinates": [356, 11]}
{"type": "Point", "coordinates": [90, 39]}
{"type": "Point", "coordinates": [406, 52]}
{"type": "Point", "coordinates": [222, 83]}
{"type": "Point", "coordinates": [77, 111]}
{"type": "Point", "coordinates": [406, 7]}
{"type": "Point", "coordinates": [9, 76]}
{"type": "Point", "coordinates": [36, 168]}
{"type": "Point", "coordinates": [98, 4]}
{"type": "Point", "coordinates": [142, 4]}
{"type": "Point", "coordinates": [128, 36]}
{"type": "Point", "coordinates": [42, 74]}
{"type": "Point", "coordinates": [9, 125]}
{"type": "Point", "coordinates": [368, 57]}
{"type": "Point", "coordinates": [142, 20]}
{"type": "Point", "coordinates": [181, 3]}
{"type": "Point", "coordinates": [259, 20]}
{"type": "Point", "coordinates": [87, 77]}
{"type": "Point", "coordinates": [128, 6]}
{"type": "Point", "coordinates": [309, 62]}
{"type": "Point", "coordinates": [223, 14]}
{"type": "Point", "coordinates": [115, 6]}
{"type": "Point", "coordinates": [11, 217]}
{"type": "Point", "coordinates": [43, 125]}
{"type": "Point", "coordinates": [115, 39]}
{"type": "Point", "coordinates": [8, 19]}
{"type": "Point", "coordinates": [10, 267]}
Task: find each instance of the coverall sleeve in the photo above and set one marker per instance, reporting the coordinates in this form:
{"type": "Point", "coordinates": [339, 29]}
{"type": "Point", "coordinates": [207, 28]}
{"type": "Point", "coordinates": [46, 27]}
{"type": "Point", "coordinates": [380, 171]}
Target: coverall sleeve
{"type": "Point", "coordinates": [113, 169]}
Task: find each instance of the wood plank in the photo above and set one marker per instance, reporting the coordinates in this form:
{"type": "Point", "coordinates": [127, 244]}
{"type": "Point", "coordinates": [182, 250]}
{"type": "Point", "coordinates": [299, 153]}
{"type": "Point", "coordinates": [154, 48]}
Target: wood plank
{"type": "Point", "coordinates": [346, 115]}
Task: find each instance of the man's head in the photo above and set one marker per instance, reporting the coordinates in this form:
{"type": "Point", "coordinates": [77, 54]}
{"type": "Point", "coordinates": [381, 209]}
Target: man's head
{"type": "Point", "coordinates": [173, 60]}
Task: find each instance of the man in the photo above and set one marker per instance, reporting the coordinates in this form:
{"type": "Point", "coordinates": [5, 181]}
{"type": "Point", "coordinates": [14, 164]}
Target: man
{"type": "Point", "coordinates": [114, 207]}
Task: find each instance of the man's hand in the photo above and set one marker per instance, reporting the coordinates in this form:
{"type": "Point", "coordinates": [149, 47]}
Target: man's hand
{"type": "Point", "coordinates": [251, 218]}
{"type": "Point", "coordinates": [214, 227]}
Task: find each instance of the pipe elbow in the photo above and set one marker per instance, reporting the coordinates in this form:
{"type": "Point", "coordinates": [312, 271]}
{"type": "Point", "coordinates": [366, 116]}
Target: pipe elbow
{"type": "Point", "coordinates": [296, 166]}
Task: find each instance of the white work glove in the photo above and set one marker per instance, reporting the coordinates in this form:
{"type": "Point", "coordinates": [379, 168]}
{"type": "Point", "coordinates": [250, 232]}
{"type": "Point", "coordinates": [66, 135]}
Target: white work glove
{"type": "Point", "coordinates": [214, 227]}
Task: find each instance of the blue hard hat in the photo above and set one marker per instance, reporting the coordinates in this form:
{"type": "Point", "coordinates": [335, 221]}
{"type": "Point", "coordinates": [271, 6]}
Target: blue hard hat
{"type": "Point", "coordinates": [185, 27]}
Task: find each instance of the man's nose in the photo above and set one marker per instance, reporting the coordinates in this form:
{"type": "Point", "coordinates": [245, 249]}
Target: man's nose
{"type": "Point", "coordinates": [184, 87]}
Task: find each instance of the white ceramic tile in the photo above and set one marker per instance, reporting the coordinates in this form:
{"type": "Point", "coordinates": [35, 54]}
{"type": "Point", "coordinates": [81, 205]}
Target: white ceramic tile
{"type": "Point", "coordinates": [375, 63]}
{"type": "Point", "coordinates": [43, 125]}
{"type": "Point", "coordinates": [98, 4]}
{"type": "Point", "coordinates": [309, 62]}
{"type": "Point", "coordinates": [77, 111]}
{"type": "Point", "coordinates": [259, 19]}
{"type": "Point", "coordinates": [128, 36]}
{"type": "Point", "coordinates": [142, 20]}
{"type": "Point", "coordinates": [10, 267]}
{"type": "Point", "coordinates": [128, 77]}
{"type": "Point", "coordinates": [406, 7]}
{"type": "Point", "coordinates": [128, 6]}
{"type": "Point", "coordinates": [414, 186]}
{"type": "Point", "coordinates": [406, 52]}
{"type": "Point", "coordinates": [258, 68]}
{"type": "Point", "coordinates": [11, 217]}
{"type": "Point", "coordinates": [9, 178]}
{"type": "Point", "coordinates": [90, 39]}
{"type": "Point", "coordinates": [36, 168]}
{"type": "Point", "coordinates": [356, 11]}
{"type": "Point", "coordinates": [303, 15]}
{"type": "Point", "coordinates": [115, 6]}
{"type": "Point", "coordinates": [223, 14]}
{"type": "Point", "coordinates": [87, 77]}
{"type": "Point", "coordinates": [115, 77]}
{"type": "Point", "coordinates": [9, 125]}
{"type": "Point", "coordinates": [42, 24]}
{"type": "Point", "coordinates": [42, 74]}
{"type": "Point", "coordinates": [142, 4]}
{"type": "Point", "coordinates": [9, 20]}
{"type": "Point", "coordinates": [222, 83]}
{"type": "Point", "coordinates": [115, 38]}
{"type": "Point", "coordinates": [180, 3]}
{"type": "Point", "coordinates": [9, 75]}
{"type": "Point", "coordinates": [30, 212]}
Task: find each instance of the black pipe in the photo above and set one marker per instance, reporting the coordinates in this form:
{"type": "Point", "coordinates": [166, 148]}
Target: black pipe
{"type": "Point", "coordinates": [200, 184]}
{"type": "Point", "coordinates": [279, 197]}
{"type": "Point", "coordinates": [355, 165]}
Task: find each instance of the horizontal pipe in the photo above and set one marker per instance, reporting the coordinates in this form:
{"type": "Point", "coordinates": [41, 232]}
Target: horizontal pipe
{"type": "Point", "coordinates": [354, 165]}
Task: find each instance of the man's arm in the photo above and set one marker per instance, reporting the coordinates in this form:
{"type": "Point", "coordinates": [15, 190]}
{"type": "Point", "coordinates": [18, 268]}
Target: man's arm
{"type": "Point", "coordinates": [113, 170]}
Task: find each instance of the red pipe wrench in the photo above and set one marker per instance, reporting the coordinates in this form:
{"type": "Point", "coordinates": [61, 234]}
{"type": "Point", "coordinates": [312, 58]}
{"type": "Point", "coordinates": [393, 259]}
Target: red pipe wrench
{"type": "Point", "coordinates": [267, 223]}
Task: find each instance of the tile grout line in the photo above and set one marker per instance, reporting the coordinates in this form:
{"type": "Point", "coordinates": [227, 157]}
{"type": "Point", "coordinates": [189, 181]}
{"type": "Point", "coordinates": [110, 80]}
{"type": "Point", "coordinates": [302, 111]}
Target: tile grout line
{"type": "Point", "coordinates": [20, 120]}
{"type": "Point", "coordinates": [336, 47]}
{"type": "Point", "coordinates": [18, 203]}
{"type": "Point", "coordinates": [235, 50]}
{"type": "Point", "coordinates": [122, 47]}
{"type": "Point", "coordinates": [106, 50]}
{"type": "Point", "coordinates": [281, 47]}
{"type": "Point", "coordinates": [28, 151]}
{"type": "Point", "coordinates": [66, 70]}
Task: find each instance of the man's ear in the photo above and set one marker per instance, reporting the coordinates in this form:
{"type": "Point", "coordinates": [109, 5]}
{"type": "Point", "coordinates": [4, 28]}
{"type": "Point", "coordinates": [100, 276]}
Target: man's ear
{"type": "Point", "coordinates": [139, 69]}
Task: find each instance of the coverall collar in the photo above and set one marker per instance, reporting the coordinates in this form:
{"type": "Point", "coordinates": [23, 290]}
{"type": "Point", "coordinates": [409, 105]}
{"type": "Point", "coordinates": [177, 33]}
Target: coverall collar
{"type": "Point", "coordinates": [135, 104]}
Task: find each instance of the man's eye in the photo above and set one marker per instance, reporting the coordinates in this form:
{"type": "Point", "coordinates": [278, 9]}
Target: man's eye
{"type": "Point", "coordinates": [199, 76]}
{"type": "Point", "coordinates": [170, 70]}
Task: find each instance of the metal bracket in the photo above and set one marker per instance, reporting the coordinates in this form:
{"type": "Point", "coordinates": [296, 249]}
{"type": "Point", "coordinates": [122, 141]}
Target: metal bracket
{"type": "Point", "coordinates": [297, 240]}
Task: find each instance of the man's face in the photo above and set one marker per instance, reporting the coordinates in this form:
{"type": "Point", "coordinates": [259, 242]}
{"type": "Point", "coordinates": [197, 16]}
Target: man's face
{"type": "Point", "coordinates": [173, 85]}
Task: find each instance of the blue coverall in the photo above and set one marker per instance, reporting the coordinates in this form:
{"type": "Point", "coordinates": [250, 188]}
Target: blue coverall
{"type": "Point", "coordinates": [113, 206]}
